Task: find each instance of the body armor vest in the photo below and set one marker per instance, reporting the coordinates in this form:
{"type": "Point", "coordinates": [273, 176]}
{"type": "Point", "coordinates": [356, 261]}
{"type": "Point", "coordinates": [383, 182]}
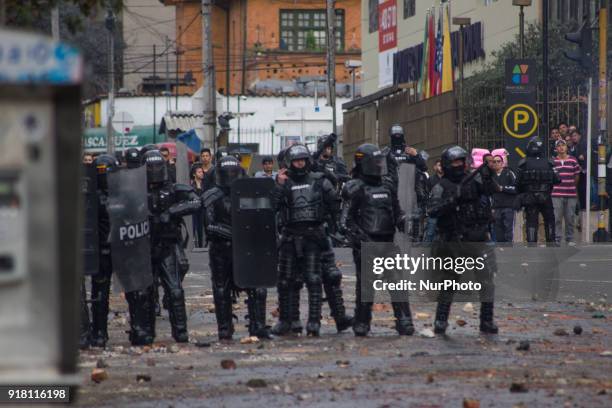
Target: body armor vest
{"type": "Point", "coordinates": [472, 212]}
{"type": "Point", "coordinates": [376, 216]}
{"type": "Point", "coordinates": [536, 176]}
{"type": "Point", "coordinates": [305, 202]}
{"type": "Point", "coordinates": [161, 200]}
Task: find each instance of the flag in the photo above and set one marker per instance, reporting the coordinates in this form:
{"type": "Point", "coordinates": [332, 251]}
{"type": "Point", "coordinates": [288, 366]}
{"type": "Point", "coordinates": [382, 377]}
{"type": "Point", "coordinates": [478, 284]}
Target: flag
{"type": "Point", "coordinates": [447, 65]}
{"type": "Point", "coordinates": [423, 78]}
{"type": "Point", "coordinates": [191, 140]}
{"type": "Point", "coordinates": [431, 54]}
{"type": "Point", "coordinates": [438, 58]}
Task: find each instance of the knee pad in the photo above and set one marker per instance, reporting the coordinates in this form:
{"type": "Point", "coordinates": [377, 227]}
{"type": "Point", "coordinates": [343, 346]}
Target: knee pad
{"type": "Point", "coordinates": [332, 276]}
{"type": "Point", "coordinates": [177, 294]}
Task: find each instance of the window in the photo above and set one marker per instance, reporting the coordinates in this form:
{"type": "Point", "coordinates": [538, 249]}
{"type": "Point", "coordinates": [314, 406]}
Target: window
{"type": "Point", "coordinates": [305, 30]}
{"type": "Point", "coordinates": [373, 9]}
{"type": "Point", "coordinates": [409, 8]}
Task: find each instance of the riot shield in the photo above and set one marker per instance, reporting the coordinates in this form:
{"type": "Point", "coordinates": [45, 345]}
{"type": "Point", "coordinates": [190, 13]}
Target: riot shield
{"type": "Point", "coordinates": [183, 177]}
{"type": "Point", "coordinates": [130, 238]}
{"type": "Point", "coordinates": [254, 233]}
{"type": "Point", "coordinates": [90, 247]}
{"type": "Point", "coordinates": [406, 193]}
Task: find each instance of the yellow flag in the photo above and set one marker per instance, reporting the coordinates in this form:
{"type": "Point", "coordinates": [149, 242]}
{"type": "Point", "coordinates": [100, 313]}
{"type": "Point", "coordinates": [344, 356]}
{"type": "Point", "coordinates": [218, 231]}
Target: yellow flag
{"type": "Point", "coordinates": [447, 56]}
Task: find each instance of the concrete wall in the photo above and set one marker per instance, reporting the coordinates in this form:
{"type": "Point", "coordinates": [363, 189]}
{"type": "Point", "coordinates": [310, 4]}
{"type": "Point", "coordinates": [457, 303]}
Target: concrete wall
{"type": "Point", "coordinates": [500, 25]}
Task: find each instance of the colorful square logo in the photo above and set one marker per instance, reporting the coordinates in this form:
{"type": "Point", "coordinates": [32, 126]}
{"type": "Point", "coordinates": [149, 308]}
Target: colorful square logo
{"type": "Point", "coordinates": [519, 74]}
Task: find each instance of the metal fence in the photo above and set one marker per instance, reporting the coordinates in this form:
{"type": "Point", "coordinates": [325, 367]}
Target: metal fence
{"type": "Point", "coordinates": [484, 109]}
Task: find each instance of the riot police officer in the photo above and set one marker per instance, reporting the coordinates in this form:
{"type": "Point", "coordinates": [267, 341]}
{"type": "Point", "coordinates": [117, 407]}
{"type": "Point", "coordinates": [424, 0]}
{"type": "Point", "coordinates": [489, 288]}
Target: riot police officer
{"type": "Point", "coordinates": [334, 168]}
{"type": "Point", "coordinates": [168, 203]}
{"type": "Point", "coordinates": [132, 158]}
{"type": "Point", "coordinates": [218, 223]}
{"type": "Point", "coordinates": [306, 200]}
{"type": "Point", "coordinates": [371, 212]}
{"type": "Point", "coordinates": [141, 308]}
{"type": "Point", "coordinates": [461, 204]}
{"type": "Point", "coordinates": [535, 179]}
{"type": "Point", "coordinates": [404, 154]}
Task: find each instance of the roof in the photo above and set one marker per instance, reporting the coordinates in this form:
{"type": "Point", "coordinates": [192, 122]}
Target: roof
{"type": "Point", "coordinates": [180, 121]}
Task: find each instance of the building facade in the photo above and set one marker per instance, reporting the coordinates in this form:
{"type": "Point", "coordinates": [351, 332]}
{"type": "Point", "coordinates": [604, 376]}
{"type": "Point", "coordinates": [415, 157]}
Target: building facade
{"type": "Point", "coordinates": [148, 26]}
{"type": "Point", "coordinates": [259, 41]}
{"type": "Point", "coordinates": [493, 23]}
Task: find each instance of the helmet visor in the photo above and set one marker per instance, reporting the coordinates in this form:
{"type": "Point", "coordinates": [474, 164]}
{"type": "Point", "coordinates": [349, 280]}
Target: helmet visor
{"type": "Point", "coordinates": [226, 175]}
{"type": "Point", "coordinates": [374, 165]}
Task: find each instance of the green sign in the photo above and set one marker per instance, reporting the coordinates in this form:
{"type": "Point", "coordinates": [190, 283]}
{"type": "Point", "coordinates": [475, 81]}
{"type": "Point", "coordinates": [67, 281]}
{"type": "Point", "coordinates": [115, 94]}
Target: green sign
{"type": "Point", "coordinates": [94, 139]}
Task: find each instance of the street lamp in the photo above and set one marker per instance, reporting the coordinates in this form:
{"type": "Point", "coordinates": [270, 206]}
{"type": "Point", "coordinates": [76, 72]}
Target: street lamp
{"type": "Point", "coordinates": [522, 4]}
{"type": "Point", "coordinates": [461, 22]}
{"type": "Point", "coordinates": [352, 65]}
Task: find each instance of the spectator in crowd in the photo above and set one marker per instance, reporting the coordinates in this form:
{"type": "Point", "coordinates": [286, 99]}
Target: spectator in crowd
{"type": "Point", "coordinates": [88, 158]}
{"type": "Point", "coordinates": [564, 195]}
{"type": "Point", "coordinates": [563, 130]}
{"type": "Point", "coordinates": [267, 164]}
{"type": "Point", "coordinates": [554, 136]}
{"type": "Point", "coordinates": [578, 151]}
{"type": "Point", "coordinates": [207, 168]}
{"type": "Point", "coordinates": [571, 129]}
{"type": "Point", "coordinates": [503, 200]}
{"type": "Point", "coordinates": [170, 163]}
{"type": "Point", "coordinates": [430, 225]}
{"type": "Point", "coordinates": [197, 182]}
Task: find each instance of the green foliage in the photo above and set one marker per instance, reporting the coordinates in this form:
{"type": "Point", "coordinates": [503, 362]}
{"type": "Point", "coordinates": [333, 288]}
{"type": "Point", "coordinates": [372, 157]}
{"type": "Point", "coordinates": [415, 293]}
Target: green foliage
{"type": "Point", "coordinates": [562, 71]}
{"type": "Point", "coordinates": [28, 13]}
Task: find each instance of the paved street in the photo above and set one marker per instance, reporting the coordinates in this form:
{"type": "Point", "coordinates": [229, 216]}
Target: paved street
{"type": "Point", "coordinates": [562, 369]}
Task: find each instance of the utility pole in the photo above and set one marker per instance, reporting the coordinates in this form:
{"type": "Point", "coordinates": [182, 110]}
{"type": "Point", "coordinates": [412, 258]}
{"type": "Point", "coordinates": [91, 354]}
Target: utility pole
{"type": "Point", "coordinates": [176, 86]}
{"type": "Point", "coordinates": [545, 10]}
{"type": "Point", "coordinates": [601, 235]}
{"type": "Point", "coordinates": [208, 73]}
{"type": "Point", "coordinates": [110, 136]}
{"type": "Point", "coordinates": [461, 22]}
{"type": "Point", "coordinates": [154, 93]}
{"type": "Point", "coordinates": [55, 25]}
{"type": "Point", "coordinates": [168, 100]}
{"type": "Point", "coordinates": [331, 60]}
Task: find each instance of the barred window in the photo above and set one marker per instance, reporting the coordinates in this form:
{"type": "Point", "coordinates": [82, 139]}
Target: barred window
{"type": "Point", "coordinates": [409, 8]}
{"type": "Point", "coordinates": [373, 14]}
{"type": "Point", "coordinates": [305, 30]}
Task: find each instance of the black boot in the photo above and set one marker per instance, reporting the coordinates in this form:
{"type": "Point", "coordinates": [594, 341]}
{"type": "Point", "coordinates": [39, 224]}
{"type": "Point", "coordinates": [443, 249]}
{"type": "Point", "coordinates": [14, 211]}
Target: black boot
{"type": "Point", "coordinates": [441, 322]}
{"type": "Point", "coordinates": [100, 290]}
{"type": "Point", "coordinates": [283, 327]}
{"type": "Point", "coordinates": [223, 312]}
{"type": "Point", "coordinates": [141, 306]}
{"type": "Point", "coordinates": [532, 235]}
{"type": "Point", "coordinates": [256, 304]}
{"type": "Point", "coordinates": [486, 318]}
{"type": "Point", "coordinates": [294, 300]}
{"type": "Point", "coordinates": [178, 315]}
{"type": "Point", "coordinates": [84, 329]}
{"type": "Point", "coordinates": [363, 317]}
{"type": "Point", "coordinates": [315, 299]}
{"type": "Point", "coordinates": [550, 233]}
{"type": "Point", "coordinates": [403, 318]}
{"type": "Point", "coordinates": [333, 292]}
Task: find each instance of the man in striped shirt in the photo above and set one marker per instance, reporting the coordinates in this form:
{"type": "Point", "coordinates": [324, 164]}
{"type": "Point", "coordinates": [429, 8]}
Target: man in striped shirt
{"type": "Point", "coordinates": [564, 195]}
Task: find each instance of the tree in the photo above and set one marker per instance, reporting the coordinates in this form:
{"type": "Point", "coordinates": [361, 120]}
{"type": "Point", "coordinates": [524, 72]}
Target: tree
{"type": "Point", "coordinates": [562, 72]}
{"type": "Point", "coordinates": [82, 25]}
